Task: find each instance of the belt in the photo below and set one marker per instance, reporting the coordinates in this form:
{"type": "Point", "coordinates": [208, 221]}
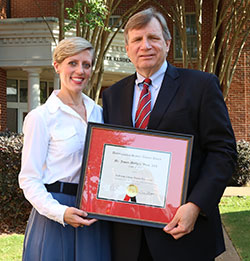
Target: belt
{"type": "Point", "coordinates": [62, 187]}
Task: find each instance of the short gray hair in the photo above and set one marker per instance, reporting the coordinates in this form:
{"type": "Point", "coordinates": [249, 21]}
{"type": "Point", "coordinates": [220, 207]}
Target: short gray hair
{"type": "Point", "coordinates": [142, 18]}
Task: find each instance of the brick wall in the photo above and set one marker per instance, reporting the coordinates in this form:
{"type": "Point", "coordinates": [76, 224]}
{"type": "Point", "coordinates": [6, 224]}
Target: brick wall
{"type": "Point", "coordinates": [238, 100]}
{"type": "Point", "coordinates": [3, 102]}
{"type": "Point", "coordinates": [29, 8]}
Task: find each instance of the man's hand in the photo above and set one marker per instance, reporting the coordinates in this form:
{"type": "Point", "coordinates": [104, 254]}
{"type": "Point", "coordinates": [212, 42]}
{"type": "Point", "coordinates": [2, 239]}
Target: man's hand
{"type": "Point", "coordinates": [183, 221]}
{"type": "Point", "coordinates": [76, 217]}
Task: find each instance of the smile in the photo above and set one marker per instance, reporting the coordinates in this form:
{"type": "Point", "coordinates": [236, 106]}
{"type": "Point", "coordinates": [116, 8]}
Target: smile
{"type": "Point", "coordinates": [77, 80]}
{"type": "Point", "coordinates": [146, 56]}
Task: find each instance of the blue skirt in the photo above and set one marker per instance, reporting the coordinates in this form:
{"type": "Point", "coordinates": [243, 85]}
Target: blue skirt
{"type": "Point", "coordinates": [47, 240]}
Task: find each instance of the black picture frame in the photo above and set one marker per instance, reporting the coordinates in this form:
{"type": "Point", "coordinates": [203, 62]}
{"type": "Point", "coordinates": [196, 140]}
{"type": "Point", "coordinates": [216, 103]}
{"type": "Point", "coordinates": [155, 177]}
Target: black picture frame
{"type": "Point", "coordinates": [110, 151]}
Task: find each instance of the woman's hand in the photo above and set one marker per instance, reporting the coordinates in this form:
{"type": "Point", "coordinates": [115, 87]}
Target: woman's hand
{"type": "Point", "coordinates": [76, 217]}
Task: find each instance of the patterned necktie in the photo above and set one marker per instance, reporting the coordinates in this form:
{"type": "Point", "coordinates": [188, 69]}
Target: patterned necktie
{"type": "Point", "coordinates": [144, 106]}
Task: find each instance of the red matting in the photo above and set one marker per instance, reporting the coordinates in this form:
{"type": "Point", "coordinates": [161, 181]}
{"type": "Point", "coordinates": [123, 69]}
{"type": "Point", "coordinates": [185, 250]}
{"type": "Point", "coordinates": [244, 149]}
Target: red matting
{"type": "Point", "coordinates": [98, 135]}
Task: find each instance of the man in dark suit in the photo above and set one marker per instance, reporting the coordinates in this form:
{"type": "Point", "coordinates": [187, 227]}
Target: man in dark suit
{"type": "Point", "coordinates": [182, 101]}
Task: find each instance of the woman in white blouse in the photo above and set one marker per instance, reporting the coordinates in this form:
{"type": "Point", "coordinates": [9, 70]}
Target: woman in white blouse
{"type": "Point", "coordinates": [54, 136]}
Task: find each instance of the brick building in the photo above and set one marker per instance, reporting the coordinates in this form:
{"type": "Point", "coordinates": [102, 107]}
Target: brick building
{"type": "Point", "coordinates": [27, 76]}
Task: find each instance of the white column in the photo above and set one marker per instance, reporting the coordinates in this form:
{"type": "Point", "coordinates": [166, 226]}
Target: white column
{"type": "Point", "coordinates": [33, 87]}
{"type": "Point", "coordinates": [56, 81]}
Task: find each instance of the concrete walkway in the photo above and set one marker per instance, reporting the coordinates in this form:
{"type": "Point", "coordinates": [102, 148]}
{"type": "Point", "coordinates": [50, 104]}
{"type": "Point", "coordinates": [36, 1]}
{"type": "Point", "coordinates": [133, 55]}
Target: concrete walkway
{"type": "Point", "coordinates": [237, 191]}
{"type": "Point", "coordinates": [231, 254]}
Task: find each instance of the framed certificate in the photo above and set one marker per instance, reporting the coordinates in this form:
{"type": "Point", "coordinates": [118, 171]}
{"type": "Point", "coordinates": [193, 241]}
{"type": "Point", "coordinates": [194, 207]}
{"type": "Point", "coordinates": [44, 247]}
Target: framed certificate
{"type": "Point", "coordinates": [133, 175]}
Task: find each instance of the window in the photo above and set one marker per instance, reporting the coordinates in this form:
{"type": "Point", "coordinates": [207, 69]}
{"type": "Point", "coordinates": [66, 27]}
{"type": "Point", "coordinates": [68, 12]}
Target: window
{"type": "Point", "coordinates": [43, 92]}
{"type": "Point", "coordinates": [8, 10]}
{"type": "Point", "coordinates": [12, 91]}
{"type": "Point", "coordinates": [17, 90]}
{"type": "Point", "coordinates": [12, 119]}
{"type": "Point", "coordinates": [23, 91]}
{"type": "Point", "coordinates": [17, 101]}
{"type": "Point", "coordinates": [46, 89]}
{"type": "Point", "coordinates": [113, 20]}
{"type": "Point", "coordinates": [191, 32]}
{"type": "Point", "coordinates": [51, 88]}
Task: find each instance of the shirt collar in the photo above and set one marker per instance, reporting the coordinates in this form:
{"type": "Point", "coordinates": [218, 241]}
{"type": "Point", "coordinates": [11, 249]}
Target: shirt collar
{"type": "Point", "coordinates": [156, 78]}
{"type": "Point", "coordinates": [54, 103]}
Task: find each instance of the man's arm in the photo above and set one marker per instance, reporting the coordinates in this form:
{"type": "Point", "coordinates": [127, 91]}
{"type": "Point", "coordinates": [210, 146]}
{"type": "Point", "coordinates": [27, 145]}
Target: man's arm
{"type": "Point", "coordinates": [217, 143]}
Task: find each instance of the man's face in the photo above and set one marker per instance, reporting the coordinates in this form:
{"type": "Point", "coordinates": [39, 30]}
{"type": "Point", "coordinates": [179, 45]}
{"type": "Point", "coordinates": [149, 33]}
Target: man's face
{"type": "Point", "coordinates": [147, 48]}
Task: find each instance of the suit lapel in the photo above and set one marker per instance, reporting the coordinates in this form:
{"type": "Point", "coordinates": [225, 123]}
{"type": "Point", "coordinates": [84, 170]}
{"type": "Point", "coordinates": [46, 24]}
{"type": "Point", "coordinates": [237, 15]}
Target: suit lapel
{"type": "Point", "coordinates": [169, 87]}
{"type": "Point", "coordinates": [127, 94]}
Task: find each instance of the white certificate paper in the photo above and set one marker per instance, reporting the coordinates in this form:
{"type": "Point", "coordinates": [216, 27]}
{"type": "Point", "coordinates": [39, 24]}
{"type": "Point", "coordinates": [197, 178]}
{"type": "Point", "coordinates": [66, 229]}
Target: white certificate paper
{"type": "Point", "coordinates": [146, 171]}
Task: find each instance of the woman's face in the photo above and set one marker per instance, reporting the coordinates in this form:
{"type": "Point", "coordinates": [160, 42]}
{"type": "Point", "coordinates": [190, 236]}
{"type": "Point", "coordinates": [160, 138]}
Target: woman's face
{"type": "Point", "coordinates": [75, 71]}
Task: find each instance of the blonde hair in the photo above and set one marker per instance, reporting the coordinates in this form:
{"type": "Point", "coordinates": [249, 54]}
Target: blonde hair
{"type": "Point", "coordinates": [142, 18]}
{"type": "Point", "coordinates": [72, 46]}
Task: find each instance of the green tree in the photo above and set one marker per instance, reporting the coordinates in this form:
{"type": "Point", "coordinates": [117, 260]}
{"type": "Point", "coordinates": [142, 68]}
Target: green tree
{"type": "Point", "coordinates": [90, 19]}
{"type": "Point", "coordinates": [229, 33]}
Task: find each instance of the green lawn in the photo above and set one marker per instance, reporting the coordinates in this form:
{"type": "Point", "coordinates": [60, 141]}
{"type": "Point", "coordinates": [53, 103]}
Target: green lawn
{"type": "Point", "coordinates": [11, 247]}
{"type": "Point", "coordinates": [235, 212]}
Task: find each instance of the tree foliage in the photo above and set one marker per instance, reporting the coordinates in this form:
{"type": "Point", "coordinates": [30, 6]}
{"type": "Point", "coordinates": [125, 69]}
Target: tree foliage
{"type": "Point", "coordinates": [229, 33]}
{"type": "Point", "coordinates": [14, 209]}
{"type": "Point", "coordinates": [86, 15]}
{"type": "Point", "coordinates": [241, 175]}
{"type": "Point", "coordinates": [90, 18]}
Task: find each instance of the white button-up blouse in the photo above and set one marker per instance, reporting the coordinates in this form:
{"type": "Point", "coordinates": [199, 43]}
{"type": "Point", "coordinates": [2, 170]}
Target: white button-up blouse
{"type": "Point", "coordinates": [54, 137]}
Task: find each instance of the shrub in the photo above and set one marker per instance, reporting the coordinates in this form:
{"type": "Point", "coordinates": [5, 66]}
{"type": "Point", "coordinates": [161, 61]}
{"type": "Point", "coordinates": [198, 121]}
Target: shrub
{"type": "Point", "coordinates": [241, 175]}
{"type": "Point", "coordinates": [14, 209]}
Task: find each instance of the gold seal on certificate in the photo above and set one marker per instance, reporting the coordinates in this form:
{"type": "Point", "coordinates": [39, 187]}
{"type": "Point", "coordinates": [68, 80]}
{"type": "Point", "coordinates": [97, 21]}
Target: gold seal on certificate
{"type": "Point", "coordinates": [132, 190]}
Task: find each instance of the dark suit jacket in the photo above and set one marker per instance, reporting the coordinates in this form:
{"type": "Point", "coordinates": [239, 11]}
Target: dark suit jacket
{"type": "Point", "coordinates": [189, 102]}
